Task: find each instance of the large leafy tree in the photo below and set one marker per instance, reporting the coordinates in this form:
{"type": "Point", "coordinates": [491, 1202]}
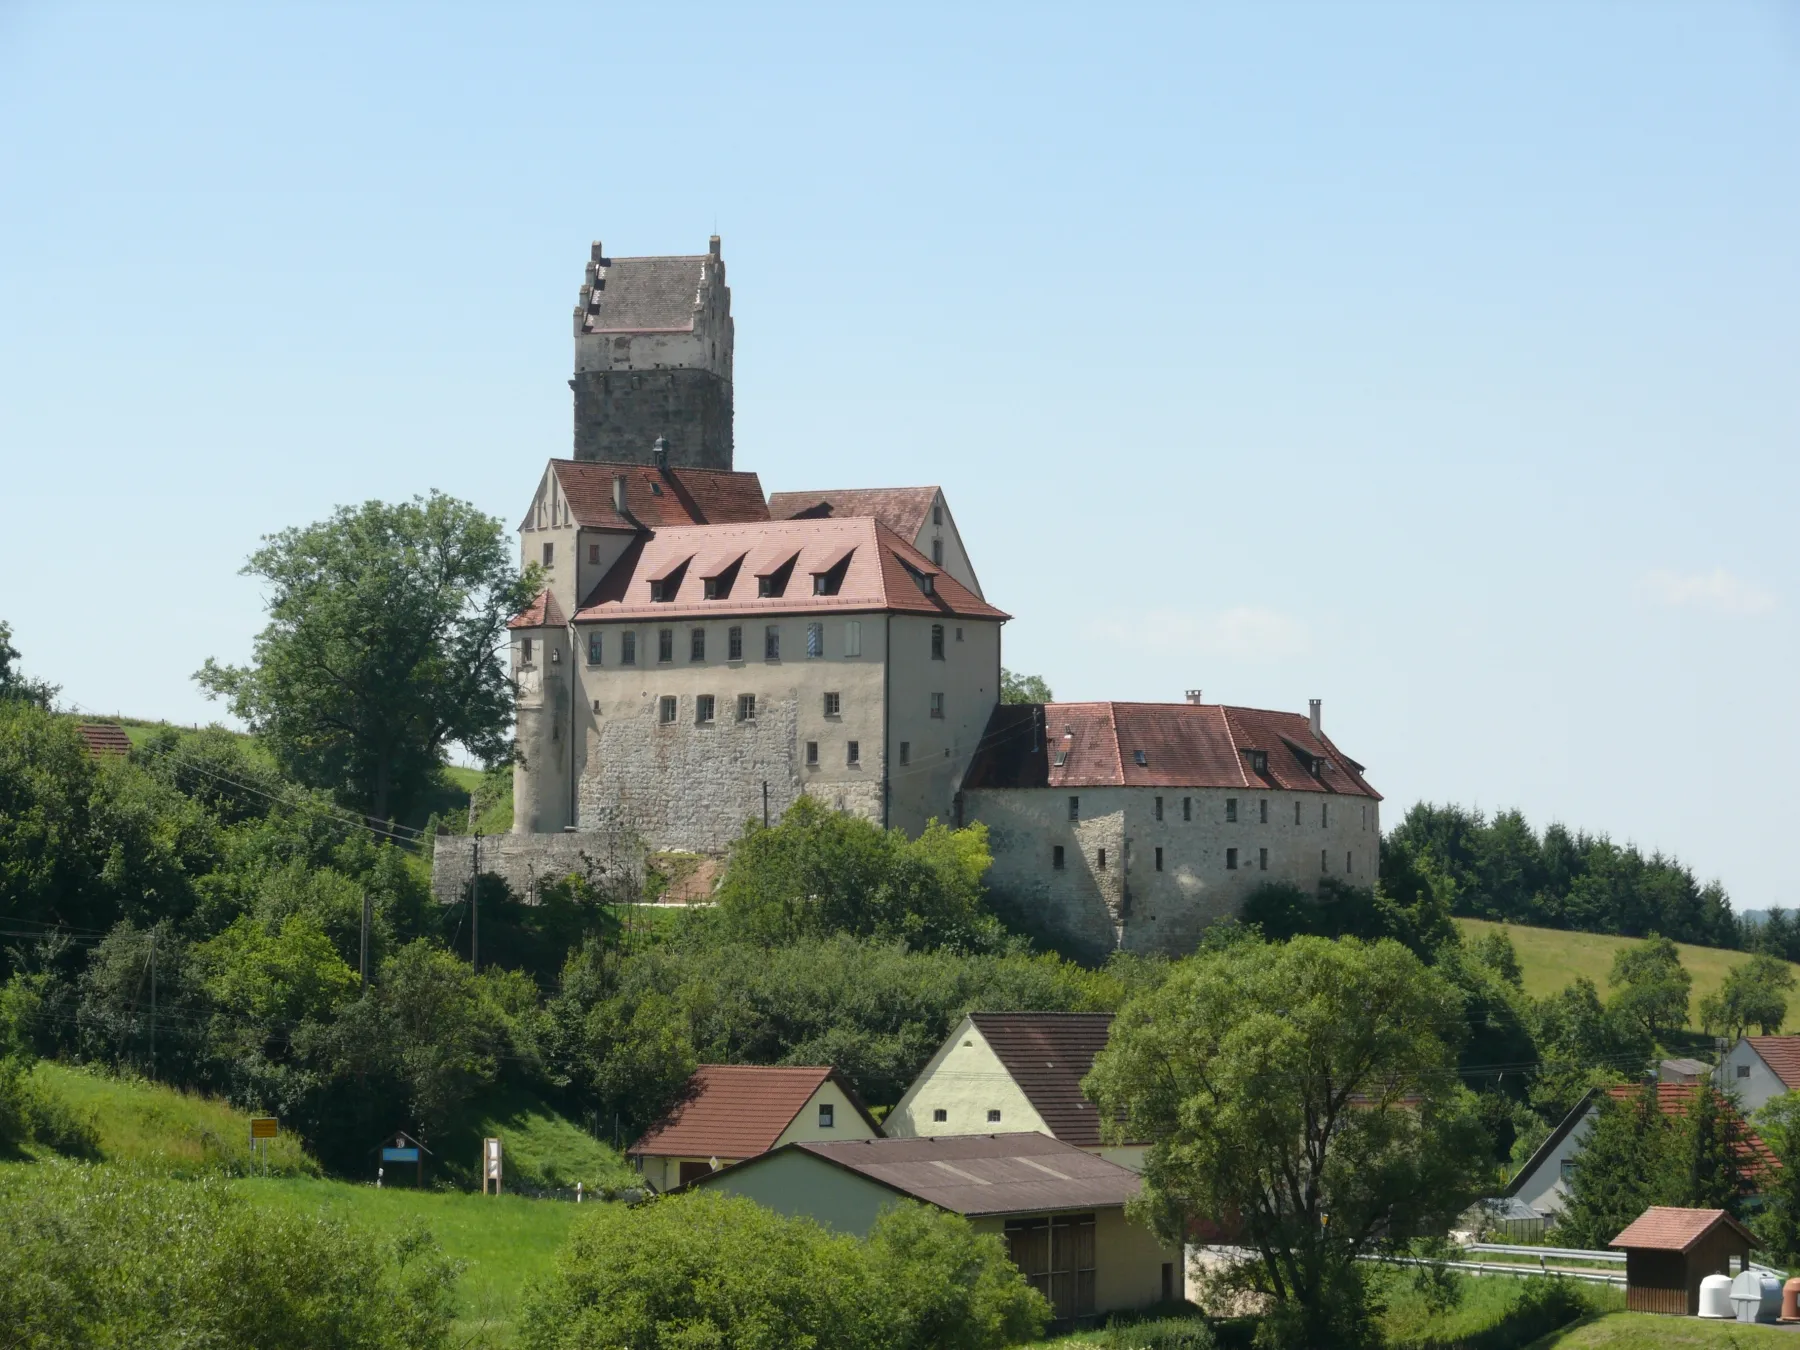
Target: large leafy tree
{"type": "Point", "coordinates": [1307, 1094]}
{"type": "Point", "coordinates": [1016, 687]}
{"type": "Point", "coordinates": [383, 648]}
{"type": "Point", "coordinates": [1754, 995]}
{"type": "Point", "coordinates": [13, 682]}
{"type": "Point", "coordinates": [1652, 986]}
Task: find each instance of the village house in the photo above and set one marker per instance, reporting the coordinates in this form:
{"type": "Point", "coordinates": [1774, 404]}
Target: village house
{"type": "Point", "coordinates": [729, 1112]}
{"type": "Point", "coordinates": [1758, 1068]}
{"type": "Point", "coordinates": [1013, 1072]}
{"type": "Point", "coordinates": [1543, 1182]}
{"type": "Point", "coordinates": [1059, 1209]}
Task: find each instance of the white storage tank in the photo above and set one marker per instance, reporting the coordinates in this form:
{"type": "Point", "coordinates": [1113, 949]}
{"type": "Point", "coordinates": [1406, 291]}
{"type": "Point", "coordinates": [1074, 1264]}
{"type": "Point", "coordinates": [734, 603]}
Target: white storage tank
{"type": "Point", "coordinates": [1755, 1297]}
{"type": "Point", "coordinates": [1715, 1297]}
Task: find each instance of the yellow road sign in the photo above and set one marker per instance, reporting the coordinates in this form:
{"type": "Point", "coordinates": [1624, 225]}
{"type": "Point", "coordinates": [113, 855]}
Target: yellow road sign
{"type": "Point", "coordinates": [264, 1127]}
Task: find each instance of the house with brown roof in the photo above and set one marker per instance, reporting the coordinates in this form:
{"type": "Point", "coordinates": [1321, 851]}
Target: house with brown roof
{"type": "Point", "coordinates": [729, 1112]}
{"type": "Point", "coordinates": [1669, 1251]}
{"type": "Point", "coordinates": [1758, 1068]}
{"type": "Point", "coordinates": [103, 738]}
{"type": "Point", "coordinates": [1013, 1072]}
{"type": "Point", "coordinates": [1543, 1182]}
{"type": "Point", "coordinates": [1059, 1209]}
{"type": "Point", "coordinates": [1135, 825]}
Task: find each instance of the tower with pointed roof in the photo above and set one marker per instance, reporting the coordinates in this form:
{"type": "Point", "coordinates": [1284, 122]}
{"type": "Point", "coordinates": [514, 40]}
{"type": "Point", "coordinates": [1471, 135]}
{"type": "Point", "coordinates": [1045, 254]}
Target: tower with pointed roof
{"type": "Point", "coordinates": [653, 345]}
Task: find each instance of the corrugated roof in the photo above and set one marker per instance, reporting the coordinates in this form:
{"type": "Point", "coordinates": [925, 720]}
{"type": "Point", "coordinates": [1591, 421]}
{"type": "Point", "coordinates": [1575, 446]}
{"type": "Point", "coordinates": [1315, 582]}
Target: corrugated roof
{"type": "Point", "coordinates": [542, 612]}
{"type": "Point", "coordinates": [733, 1111]}
{"type": "Point", "coordinates": [1664, 1228]}
{"type": "Point", "coordinates": [902, 510]}
{"type": "Point", "coordinates": [1782, 1055]}
{"type": "Point", "coordinates": [104, 738]}
{"type": "Point", "coordinates": [1048, 1054]}
{"type": "Point", "coordinates": [646, 295]}
{"type": "Point", "coordinates": [985, 1174]}
{"type": "Point", "coordinates": [1183, 745]}
{"type": "Point", "coordinates": [655, 497]}
{"type": "Point", "coordinates": [877, 578]}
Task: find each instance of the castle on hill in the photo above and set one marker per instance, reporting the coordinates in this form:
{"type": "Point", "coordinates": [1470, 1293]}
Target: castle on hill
{"type": "Point", "coordinates": [703, 653]}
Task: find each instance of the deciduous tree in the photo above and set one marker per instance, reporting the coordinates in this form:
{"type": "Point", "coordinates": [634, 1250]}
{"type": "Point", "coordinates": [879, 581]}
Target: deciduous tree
{"type": "Point", "coordinates": [1652, 986]}
{"type": "Point", "coordinates": [1754, 995]}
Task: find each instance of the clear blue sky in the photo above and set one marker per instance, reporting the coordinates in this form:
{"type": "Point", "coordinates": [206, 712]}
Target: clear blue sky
{"type": "Point", "coordinates": [1436, 360]}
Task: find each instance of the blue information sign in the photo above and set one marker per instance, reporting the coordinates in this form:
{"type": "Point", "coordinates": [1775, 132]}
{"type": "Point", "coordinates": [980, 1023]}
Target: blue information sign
{"type": "Point", "coordinates": [400, 1155]}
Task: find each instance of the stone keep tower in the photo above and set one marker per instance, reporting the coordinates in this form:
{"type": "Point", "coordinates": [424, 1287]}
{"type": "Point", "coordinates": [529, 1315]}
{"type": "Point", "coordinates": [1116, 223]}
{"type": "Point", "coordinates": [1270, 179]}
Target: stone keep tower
{"type": "Point", "coordinates": [653, 343]}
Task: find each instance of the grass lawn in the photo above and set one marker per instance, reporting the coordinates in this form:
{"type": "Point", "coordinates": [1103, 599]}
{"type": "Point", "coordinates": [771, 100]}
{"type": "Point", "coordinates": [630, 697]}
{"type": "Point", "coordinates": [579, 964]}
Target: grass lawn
{"type": "Point", "coordinates": [502, 1240]}
{"type": "Point", "coordinates": [1629, 1331]}
{"type": "Point", "coordinates": [1551, 957]}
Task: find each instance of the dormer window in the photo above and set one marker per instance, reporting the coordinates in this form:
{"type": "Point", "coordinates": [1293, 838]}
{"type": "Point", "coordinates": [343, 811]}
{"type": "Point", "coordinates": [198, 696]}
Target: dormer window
{"type": "Point", "coordinates": [718, 585]}
{"type": "Point", "coordinates": [773, 583]}
{"type": "Point", "coordinates": [667, 584]}
{"type": "Point", "coordinates": [829, 579]}
{"type": "Point", "coordinates": [1141, 758]}
{"type": "Point", "coordinates": [1259, 761]}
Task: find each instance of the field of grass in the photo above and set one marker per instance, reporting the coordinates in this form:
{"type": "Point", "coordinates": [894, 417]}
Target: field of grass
{"type": "Point", "coordinates": [1642, 1331]}
{"type": "Point", "coordinates": [544, 1151]}
{"type": "Point", "coordinates": [162, 1130]}
{"type": "Point", "coordinates": [1551, 957]}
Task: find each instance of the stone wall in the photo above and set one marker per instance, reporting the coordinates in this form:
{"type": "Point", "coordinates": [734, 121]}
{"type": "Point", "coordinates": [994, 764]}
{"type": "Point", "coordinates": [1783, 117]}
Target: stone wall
{"type": "Point", "coordinates": [619, 415]}
{"type": "Point", "coordinates": [522, 861]}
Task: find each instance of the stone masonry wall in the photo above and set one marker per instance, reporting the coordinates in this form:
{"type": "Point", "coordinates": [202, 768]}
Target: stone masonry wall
{"type": "Point", "coordinates": [619, 415]}
{"type": "Point", "coordinates": [522, 861]}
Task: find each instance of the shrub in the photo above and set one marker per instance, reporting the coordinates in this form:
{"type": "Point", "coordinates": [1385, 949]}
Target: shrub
{"type": "Point", "coordinates": [707, 1270]}
{"type": "Point", "coordinates": [95, 1256]}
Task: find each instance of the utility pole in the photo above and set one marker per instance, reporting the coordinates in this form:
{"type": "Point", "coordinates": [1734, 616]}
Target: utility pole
{"type": "Point", "coordinates": [367, 905]}
{"type": "Point", "coordinates": [152, 1005]}
{"type": "Point", "coordinates": [474, 908]}
{"type": "Point", "coordinates": [765, 783]}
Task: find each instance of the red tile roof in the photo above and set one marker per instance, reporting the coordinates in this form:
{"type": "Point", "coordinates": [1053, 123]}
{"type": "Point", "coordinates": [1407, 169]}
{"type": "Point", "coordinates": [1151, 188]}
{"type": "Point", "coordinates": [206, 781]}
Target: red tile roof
{"type": "Point", "coordinates": [1664, 1228]}
{"type": "Point", "coordinates": [1782, 1055]}
{"type": "Point", "coordinates": [732, 1111]}
{"type": "Point", "coordinates": [1048, 1054]}
{"type": "Point", "coordinates": [1674, 1099]}
{"type": "Point", "coordinates": [902, 510]}
{"type": "Point", "coordinates": [1183, 744]}
{"type": "Point", "coordinates": [879, 578]}
{"type": "Point", "coordinates": [542, 612]}
{"type": "Point", "coordinates": [655, 497]}
{"type": "Point", "coordinates": [104, 738]}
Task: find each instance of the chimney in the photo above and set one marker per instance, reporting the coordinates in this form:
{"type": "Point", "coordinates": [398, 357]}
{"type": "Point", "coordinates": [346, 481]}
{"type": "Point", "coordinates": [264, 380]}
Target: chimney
{"type": "Point", "coordinates": [1312, 717]}
{"type": "Point", "coordinates": [712, 246]}
{"type": "Point", "coordinates": [1193, 696]}
{"type": "Point", "coordinates": [595, 252]}
{"type": "Point", "coordinates": [660, 453]}
{"type": "Point", "coordinates": [619, 493]}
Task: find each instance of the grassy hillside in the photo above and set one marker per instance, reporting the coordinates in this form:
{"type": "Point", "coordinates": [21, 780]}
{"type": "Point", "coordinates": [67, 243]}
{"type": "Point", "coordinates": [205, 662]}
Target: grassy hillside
{"type": "Point", "coordinates": [158, 1128]}
{"type": "Point", "coordinates": [1551, 957]}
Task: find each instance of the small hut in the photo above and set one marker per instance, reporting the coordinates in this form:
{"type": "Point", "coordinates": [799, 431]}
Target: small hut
{"type": "Point", "coordinates": [1668, 1251]}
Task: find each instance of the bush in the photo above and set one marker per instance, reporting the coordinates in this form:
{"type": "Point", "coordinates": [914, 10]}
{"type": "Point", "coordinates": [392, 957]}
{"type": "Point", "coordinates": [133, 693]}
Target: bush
{"type": "Point", "coordinates": [94, 1256]}
{"type": "Point", "coordinates": [706, 1270]}
{"type": "Point", "coordinates": [1162, 1333]}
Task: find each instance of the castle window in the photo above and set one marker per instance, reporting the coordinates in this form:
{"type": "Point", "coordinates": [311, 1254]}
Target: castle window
{"type": "Point", "coordinates": [772, 642]}
{"type": "Point", "coordinates": [940, 1114]}
{"type": "Point", "coordinates": [1231, 860]}
{"type": "Point", "coordinates": [628, 648]}
{"type": "Point", "coordinates": [1231, 810]}
{"type": "Point", "coordinates": [815, 640]}
{"type": "Point", "coordinates": [853, 754]}
{"type": "Point", "coordinates": [703, 709]}
{"type": "Point", "coordinates": [1324, 814]}
{"type": "Point", "coordinates": [1296, 813]}
{"type": "Point", "coordinates": [665, 644]}
{"type": "Point", "coordinates": [526, 652]}
{"type": "Point", "coordinates": [775, 583]}
{"type": "Point", "coordinates": [937, 642]}
{"type": "Point", "coordinates": [831, 580]}
{"type": "Point", "coordinates": [959, 636]}
{"type": "Point", "coordinates": [853, 638]}
{"type": "Point", "coordinates": [734, 644]}
{"type": "Point", "coordinates": [1140, 758]}
{"type": "Point", "coordinates": [1187, 808]}
{"type": "Point", "coordinates": [905, 752]}
{"type": "Point", "coordinates": [937, 705]}
{"type": "Point", "coordinates": [937, 552]}
{"type": "Point", "coordinates": [1262, 811]}
{"type": "Point", "coordinates": [746, 707]}
{"type": "Point", "coordinates": [1324, 862]}
{"type": "Point", "coordinates": [812, 754]}
{"type": "Point", "coordinates": [594, 649]}
{"type": "Point", "coordinates": [1347, 861]}
{"type": "Point", "coordinates": [1262, 859]}
{"type": "Point", "coordinates": [667, 708]}
{"type": "Point", "coordinates": [1156, 810]}
{"type": "Point", "coordinates": [832, 704]}
{"type": "Point", "coordinates": [1056, 857]}
{"type": "Point", "coordinates": [697, 645]}
{"type": "Point", "coordinates": [549, 555]}
{"type": "Point", "coordinates": [1159, 859]}
{"type": "Point", "coordinates": [593, 553]}
{"type": "Point", "coordinates": [1101, 859]}
{"type": "Point", "coordinates": [1074, 808]}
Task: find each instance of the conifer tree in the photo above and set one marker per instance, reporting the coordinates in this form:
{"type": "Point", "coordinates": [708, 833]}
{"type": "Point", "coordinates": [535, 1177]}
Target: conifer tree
{"type": "Point", "coordinates": [1777, 1223]}
{"type": "Point", "coordinates": [1621, 1170]}
{"type": "Point", "coordinates": [1705, 1166]}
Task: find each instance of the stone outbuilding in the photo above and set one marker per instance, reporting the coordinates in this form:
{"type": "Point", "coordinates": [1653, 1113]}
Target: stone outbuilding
{"type": "Point", "coordinates": [1059, 1209]}
{"type": "Point", "coordinates": [729, 1112]}
{"type": "Point", "coordinates": [1668, 1251]}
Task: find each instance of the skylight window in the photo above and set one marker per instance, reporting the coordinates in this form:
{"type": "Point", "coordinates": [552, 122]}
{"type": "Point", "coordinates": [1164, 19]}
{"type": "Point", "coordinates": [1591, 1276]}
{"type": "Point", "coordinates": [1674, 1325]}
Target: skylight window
{"type": "Point", "coordinates": [1140, 757]}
